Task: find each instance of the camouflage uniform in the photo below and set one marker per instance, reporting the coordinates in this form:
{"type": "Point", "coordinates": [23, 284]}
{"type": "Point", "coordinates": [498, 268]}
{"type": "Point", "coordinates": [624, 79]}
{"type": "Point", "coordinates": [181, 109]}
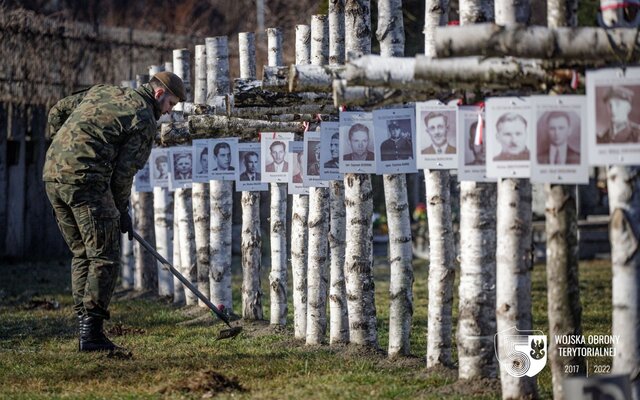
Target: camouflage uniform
{"type": "Point", "coordinates": [101, 138]}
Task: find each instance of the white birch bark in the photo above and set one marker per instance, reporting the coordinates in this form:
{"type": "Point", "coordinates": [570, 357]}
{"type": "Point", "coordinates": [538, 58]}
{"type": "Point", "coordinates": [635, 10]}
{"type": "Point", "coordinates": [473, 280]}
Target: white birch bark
{"type": "Point", "coordinates": [513, 274]}
{"type": "Point", "coordinates": [441, 268]}
{"type": "Point", "coordinates": [251, 257]}
{"type": "Point", "coordinates": [278, 274]}
{"type": "Point", "coordinates": [358, 268]}
{"type": "Point", "coordinates": [299, 243]}
{"type": "Point", "coordinates": [182, 68]}
{"type": "Point", "coordinates": [477, 290]}
{"type": "Point", "coordinates": [624, 231]}
{"type": "Point", "coordinates": [200, 191]}
{"type": "Point", "coordinates": [318, 274]}
{"type": "Point", "coordinates": [338, 311]}
{"type": "Point", "coordinates": [278, 215]}
{"type": "Point", "coordinates": [509, 12]}
{"type": "Point", "coordinates": [186, 241]}
{"type": "Point", "coordinates": [299, 217]}
{"type": "Point", "coordinates": [319, 39]}
{"type": "Point", "coordinates": [357, 26]}
{"type": "Point", "coordinates": [390, 34]}
{"type": "Point", "coordinates": [436, 13]}
{"type": "Point", "coordinates": [336, 32]}
{"type": "Point", "coordinates": [220, 192]}
{"type": "Point", "coordinates": [127, 260]}
{"type": "Point", "coordinates": [163, 220]}
{"type": "Point", "coordinates": [178, 287]}
{"type": "Point", "coordinates": [251, 233]}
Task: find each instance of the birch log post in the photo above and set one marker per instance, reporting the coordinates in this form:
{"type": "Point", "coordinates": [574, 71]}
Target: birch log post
{"type": "Point", "coordinates": [318, 274]}
{"type": "Point", "coordinates": [200, 191]}
{"type": "Point", "coordinates": [220, 192]}
{"type": "Point", "coordinates": [390, 34]}
{"type": "Point", "coordinates": [338, 311]}
{"type": "Point", "coordinates": [178, 287]}
{"type": "Point", "coordinates": [183, 197]}
{"type": "Point", "coordinates": [299, 217]}
{"type": "Point", "coordinates": [561, 225]}
{"type": "Point", "coordinates": [477, 289]}
{"type": "Point", "coordinates": [146, 271]}
{"type": "Point", "coordinates": [624, 231]}
{"type": "Point", "coordinates": [128, 261]}
{"type": "Point", "coordinates": [278, 215]}
{"type": "Point", "coordinates": [441, 246]}
{"type": "Point", "coordinates": [359, 206]}
{"type": "Point", "coordinates": [251, 233]}
{"type": "Point", "coordinates": [513, 254]}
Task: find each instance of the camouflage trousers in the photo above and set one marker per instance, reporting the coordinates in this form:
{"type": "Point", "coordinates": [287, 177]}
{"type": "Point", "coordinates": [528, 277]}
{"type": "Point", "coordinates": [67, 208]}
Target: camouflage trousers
{"type": "Point", "coordinates": [90, 224]}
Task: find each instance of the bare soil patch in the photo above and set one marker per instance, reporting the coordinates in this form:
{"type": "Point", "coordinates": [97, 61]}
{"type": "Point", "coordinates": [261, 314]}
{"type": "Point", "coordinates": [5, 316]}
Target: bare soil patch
{"type": "Point", "coordinates": [207, 382]}
{"type": "Point", "coordinates": [122, 330]}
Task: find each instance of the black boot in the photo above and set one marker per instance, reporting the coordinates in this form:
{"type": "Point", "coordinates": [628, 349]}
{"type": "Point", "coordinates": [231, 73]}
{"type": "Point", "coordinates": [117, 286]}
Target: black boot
{"type": "Point", "coordinates": [92, 336]}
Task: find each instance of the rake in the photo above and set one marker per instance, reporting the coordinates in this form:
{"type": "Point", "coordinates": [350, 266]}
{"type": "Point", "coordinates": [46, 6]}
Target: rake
{"type": "Point", "coordinates": [233, 331]}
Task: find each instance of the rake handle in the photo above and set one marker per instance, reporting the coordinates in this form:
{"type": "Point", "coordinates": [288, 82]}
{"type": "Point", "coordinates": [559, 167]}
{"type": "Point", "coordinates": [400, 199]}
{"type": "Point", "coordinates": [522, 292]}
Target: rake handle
{"type": "Point", "coordinates": [181, 278]}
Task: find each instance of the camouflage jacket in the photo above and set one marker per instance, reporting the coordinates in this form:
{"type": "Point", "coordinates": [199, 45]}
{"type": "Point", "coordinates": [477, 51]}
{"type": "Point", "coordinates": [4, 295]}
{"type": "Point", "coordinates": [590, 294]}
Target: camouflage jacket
{"type": "Point", "coordinates": [103, 134]}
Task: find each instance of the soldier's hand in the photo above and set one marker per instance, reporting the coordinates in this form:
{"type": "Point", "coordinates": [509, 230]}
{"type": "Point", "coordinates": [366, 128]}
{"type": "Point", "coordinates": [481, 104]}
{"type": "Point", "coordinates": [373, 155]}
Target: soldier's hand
{"type": "Point", "coordinates": [126, 226]}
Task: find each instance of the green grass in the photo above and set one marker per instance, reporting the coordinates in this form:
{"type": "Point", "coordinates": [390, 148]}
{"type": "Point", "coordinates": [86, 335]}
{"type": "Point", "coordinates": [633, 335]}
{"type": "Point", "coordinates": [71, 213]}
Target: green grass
{"type": "Point", "coordinates": [38, 357]}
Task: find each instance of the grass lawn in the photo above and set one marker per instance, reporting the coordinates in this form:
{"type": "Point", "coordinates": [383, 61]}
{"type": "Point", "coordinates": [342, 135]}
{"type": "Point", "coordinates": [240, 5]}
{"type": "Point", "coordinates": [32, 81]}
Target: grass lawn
{"type": "Point", "coordinates": [175, 354]}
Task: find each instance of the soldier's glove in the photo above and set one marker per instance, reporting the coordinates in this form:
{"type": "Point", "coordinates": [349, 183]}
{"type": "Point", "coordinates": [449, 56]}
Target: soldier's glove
{"type": "Point", "coordinates": [126, 226]}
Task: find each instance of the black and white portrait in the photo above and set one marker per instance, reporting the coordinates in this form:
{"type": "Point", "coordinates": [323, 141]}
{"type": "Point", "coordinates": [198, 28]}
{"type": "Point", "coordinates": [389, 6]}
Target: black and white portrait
{"type": "Point", "coordinates": [510, 133]}
{"type": "Point", "coordinates": [296, 172]}
{"type": "Point", "coordinates": [395, 134]}
{"type": "Point", "coordinates": [558, 138]}
{"type": "Point", "coordinates": [472, 143]}
{"type": "Point", "coordinates": [142, 179]}
{"type": "Point", "coordinates": [312, 161]}
{"type": "Point", "coordinates": [357, 142]}
{"type": "Point", "coordinates": [201, 157]}
{"type": "Point", "coordinates": [159, 165]}
{"type": "Point", "coordinates": [436, 129]}
{"type": "Point", "coordinates": [330, 151]}
{"type": "Point", "coordinates": [223, 160]}
{"type": "Point", "coordinates": [249, 177]}
{"type": "Point", "coordinates": [181, 167]}
{"type": "Point", "coordinates": [276, 160]}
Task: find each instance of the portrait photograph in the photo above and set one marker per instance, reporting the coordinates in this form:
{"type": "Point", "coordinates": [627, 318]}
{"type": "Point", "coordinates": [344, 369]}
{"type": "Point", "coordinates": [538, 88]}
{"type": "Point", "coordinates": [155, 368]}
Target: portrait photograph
{"type": "Point", "coordinates": [249, 177]}
{"type": "Point", "coordinates": [357, 143]}
{"type": "Point", "coordinates": [276, 156]}
{"type": "Point", "coordinates": [296, 172]}
{"type": "Point", "coordinates": [510, 133]}
{"type": "Point", "coordinates": [559, 151]}
{"type": "Point", "coordinates": [181, 165]}
{"type": "Point", "coordinates": [142, 180]}
{"type": "Point", "coordinates": [159, 165]}
{"type": "Point", "coordinates": [472, 163]}
{"type": "Point", "coordinates": [330, 151]}
{"type": "Point", "coordinates": [201, 157]}
{"type": "Point", "coordinates": [436, 129]}
{"type": "Point", "coordinates": [223, 160]}
{"type": "Point", "coordinates": [395, 136]}
{"type": "Point", "coordinates": [312, 160]}
{"type": "Point", "coordinates": [613, 101]}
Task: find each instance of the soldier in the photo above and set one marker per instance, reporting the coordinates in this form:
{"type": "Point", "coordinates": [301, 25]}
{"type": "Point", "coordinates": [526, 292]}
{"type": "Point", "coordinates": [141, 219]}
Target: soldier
{"type": "Point", "coordinates": [620, 129]}
{"type": "Point", "coordinates": [395, 147]}
{"type": "Point", "coordinates": [101, 137]}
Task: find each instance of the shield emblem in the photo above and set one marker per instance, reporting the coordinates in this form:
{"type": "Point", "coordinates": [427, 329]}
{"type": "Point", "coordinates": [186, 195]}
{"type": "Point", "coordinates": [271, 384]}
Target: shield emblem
{"type": "Point", "coordinates": [521, 353]}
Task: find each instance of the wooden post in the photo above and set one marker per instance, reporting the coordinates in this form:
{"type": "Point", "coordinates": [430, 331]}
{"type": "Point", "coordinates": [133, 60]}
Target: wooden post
{"type": "Point", "coordinates": [318, 274]}
{"type": "Point", "coordinates": [220, 192]}
{"type": "Point", "coordinates": [359, 207]}
{"type": "Point", "coordinates": [477, 293]}
{"type": "Point", "coordinates": [441, 248]}
{"type": "Point", "coordinates": [338, 311]}
{"type": "Point", "coordinates": [4, 168]}
{"type": "Point", "coordinates": [299, 218]}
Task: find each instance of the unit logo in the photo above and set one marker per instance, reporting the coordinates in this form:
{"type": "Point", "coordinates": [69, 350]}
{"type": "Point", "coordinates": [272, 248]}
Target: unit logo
{"type": "Point", "coordinates": [521, 353]}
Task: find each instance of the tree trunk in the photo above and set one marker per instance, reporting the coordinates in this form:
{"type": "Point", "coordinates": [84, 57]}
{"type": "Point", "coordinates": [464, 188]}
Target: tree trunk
{"type": "Point", "coordinates": [299, 246]}
{"type": "Point", "coordinates": [178, 287]}
{"type": "Point", "coordinates": [146, 273]}
{"type": "Point", "coordinates": [200, 192]}
{"type": "Point", "coordinates": [128, 262]}
{"type": "Point", "coordinates": [339, 317]}
{"type": "Point", "coordinates": [336, 32]}
{"type": "Point", "coordinates": [436, 13]}
{"type": "Point", "coordinates": [299, 217]}
{"type": "Point", "coordinates": [563, 46]}
{"type": "Point", "coordinates": [319, 39]}
{"type": "Point", "coordinates": [200, 85]}
{"type": "Point", "coordinates": [182, 68]}
{"type": "Point", "coordinates": [163, 218]}
{"type": "Point", "coordinates": [513, 274]}
{"type": "Point", "coordinates": [251, 257]}
{"type": "Point", "coordinates": [221, 195]}
{"type": "Point", "coordinates": [390, 34]}
{"type": "Point", "coordinates": [357, 26]}
{"type": "Point", "coordinates": [218, 81]}
{"type": "Point", "coordinates": [251, 93]}
{"type": "Point", "coordinates": [624, 233]}
{"type": "Point", "coordinates": [247, 51]}
{"type": "Point", "coordinates": [186, 240]}
{"type": "Point", "coordinates": [441, 268]}
{"type": "Point", "coordinates": [477, 290]}
{"type": "Point", "coordinates": [372, 98]}
{"type": "Point", "coordinates": [278, 275]}
{"type": "Point", "coordinates": [510, 12]}
{"type": "Point", "coordinates": [359, 260]}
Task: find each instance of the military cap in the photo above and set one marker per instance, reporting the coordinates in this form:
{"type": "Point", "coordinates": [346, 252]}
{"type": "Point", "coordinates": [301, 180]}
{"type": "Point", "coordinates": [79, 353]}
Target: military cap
{"type": "Point", "coordinates": [619, 92]}
{"type": "Point", "coordinates": [173, 83]}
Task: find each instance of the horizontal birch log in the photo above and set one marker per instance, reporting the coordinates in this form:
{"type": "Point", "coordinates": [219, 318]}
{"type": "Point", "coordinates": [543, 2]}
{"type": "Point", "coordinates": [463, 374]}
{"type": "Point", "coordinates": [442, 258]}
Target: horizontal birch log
{"type": "Point", "coordinates": [564, 45]}
{"type": "Point", "coordinates": [218, 126]}
{"type": "Point", "coordinates": [372, 97]}
{"type": "Point", "coordinates": [313, 78]}
{"type": "Point", "coordinates": [249, 93]}
{"type": "Point", "coordinates": [298, 112]}
{"type": "Point", "coordinates": [276, 78]}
